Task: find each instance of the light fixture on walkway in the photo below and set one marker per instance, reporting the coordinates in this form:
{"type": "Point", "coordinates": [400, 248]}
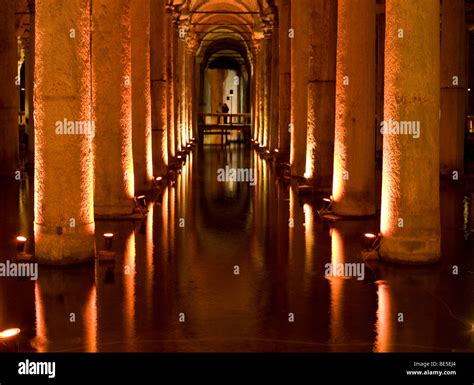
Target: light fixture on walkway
{"type": "Point", "coordinates": [327, 206]}
{"type": "Point", "coordinates": [108, 238]}
{"type": "Point", "coordinates": [21, 255]}
{"type": "Point", "coordinates": [371, 246]}
{"type": "Point", "coordinates": [9, 333]}
{"type": "Point", "coordinates": [20, 244]}
{"type": "Point", "coordinates": [107, 254]}
{"type": "Point", "coordinates": [158, 181]}
{"type": "Point", "coordinates": [140, 201]}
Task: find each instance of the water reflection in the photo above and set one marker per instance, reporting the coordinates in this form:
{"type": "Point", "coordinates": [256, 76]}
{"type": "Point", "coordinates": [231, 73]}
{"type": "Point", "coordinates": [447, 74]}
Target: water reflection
{"type": "Point", "coordinates": [245, 265]}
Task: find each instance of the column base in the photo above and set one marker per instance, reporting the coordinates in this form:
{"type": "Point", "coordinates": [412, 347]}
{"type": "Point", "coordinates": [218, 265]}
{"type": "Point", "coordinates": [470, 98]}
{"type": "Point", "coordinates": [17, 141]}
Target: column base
{"type": "Point", "coordinates": [64, 245]}
{"type": "Point", "coordinates": [412, 251]}
{"type": "Point", "coordinates": [354, 209]}
{"type": "Point", "coordinates": [116, 211]}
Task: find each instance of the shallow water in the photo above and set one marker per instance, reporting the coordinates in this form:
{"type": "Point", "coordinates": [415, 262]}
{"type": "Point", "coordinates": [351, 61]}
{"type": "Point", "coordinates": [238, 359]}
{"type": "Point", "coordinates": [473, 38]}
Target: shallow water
{"type": "Point", "coordinates": [180, 264]}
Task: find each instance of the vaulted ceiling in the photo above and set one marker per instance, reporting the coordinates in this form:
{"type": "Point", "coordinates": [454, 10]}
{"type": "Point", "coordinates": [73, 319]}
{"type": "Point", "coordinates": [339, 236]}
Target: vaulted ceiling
{"type": "Point", "coordinates": [225, 29]}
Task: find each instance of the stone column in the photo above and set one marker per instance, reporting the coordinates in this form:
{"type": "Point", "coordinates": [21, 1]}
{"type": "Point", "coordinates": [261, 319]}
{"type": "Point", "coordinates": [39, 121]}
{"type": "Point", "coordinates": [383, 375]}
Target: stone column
{"type": "Point", "coordinates": [141, 94]}
{"type": "Point", "coordinates": [112, 103]}
{"type": "Point", "coordinates": [410, 216]}
{"type": "Point", "coordinates": [284, 136]}
{"type": "Point", "coordinates": [159, 58]}
{"type": "Point", "coordinates": [256, 89]}
{"type": "Point", "coordinates": [453, 86]}
{"type": "Point", "coordinates": [179, 88]}
{"type": "Point", "coordinates": [321, 95]}
{"type": "Point", "coordinates": [30, 69]}
{"type": "Point", "coordinates": [380, 20]}
{"type": "Point", "coordinates": [170, 97]}
{"type": "Point", "coordinates": [301, 24]}
{"type": "Point", "coordinates": [267, 87]}
{"type": "Point", "coordinates": [261, 93]}
{"type": "Point", "coordinates": [190, 84]}
{"type": "Point", "coordinates": [9, 92]}
{"type": "Point", "coordinates": [354, 147]}
{"type": "Point", "coordinates": [254, 96]}
{"type": "Point", "coordinates": [64, 201]}
{"type": "Point", "coordinates": [275, 86]}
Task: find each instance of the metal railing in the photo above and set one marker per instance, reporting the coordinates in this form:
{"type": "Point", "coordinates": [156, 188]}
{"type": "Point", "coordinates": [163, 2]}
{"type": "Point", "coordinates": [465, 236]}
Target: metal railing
{"type": "Point", "coordinates": [213, 119]}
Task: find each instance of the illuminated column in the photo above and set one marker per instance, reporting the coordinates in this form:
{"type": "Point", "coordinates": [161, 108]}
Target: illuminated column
{"type": "Point", "coordinates": [256, 85]}
{"type": "Point", "coordinates": [112, 91]}
{"type": "Point", "coordinates": [284, 136]}
{"type": "Point", "coordinates": [354, 146]}
{"type": "Point", "coordinates": [301, 24]}
{"type": "Point", "coordinates": [410, 216]}
{"type": "Point", "coordinates": [179, 86]}
{"type": "Point", "coordinates": [261, 91]}
{"type": "Point", "coordinates": [191, 46]}
{"type": "Point", "coordinates": [453, 86]}
{"type": "Point", "coordinates": [321, 95]}
{"type": "Point", "coordinates": [267, 88]}
{"type": "Point", "coordinates": [9, 92]}
{"type": "Point", "coordinates": [170, 97]}
{"type": "Point", "coordinates": [29, 79]}
{"type": "Point", "coordinates": [159, 59]}
{"type": "Point", "coordinates": [141, 94]}
{"type": "Point", "coordinates": [274, 99]}
{"type": "Point", "coordinates": [64, 202]}
{"type": "Point", "coordinates": [253, 94]}
{"type": "Point", "coordinates": [380, 20]}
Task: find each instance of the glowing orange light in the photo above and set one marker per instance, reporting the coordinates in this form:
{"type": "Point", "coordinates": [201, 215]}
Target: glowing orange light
{"type": "Point", "coordinates": [108, 235]}
{"type": "Point", "coordinates": [9, 333]}
{"type": "Point", "coordinates": [370, 235]}
{"type": "Point", "coordinates": [90, 317]}
{"type": "Point", "coordinates": [21, 238]}
{"type": "Point", "coordinates": [384, 324]}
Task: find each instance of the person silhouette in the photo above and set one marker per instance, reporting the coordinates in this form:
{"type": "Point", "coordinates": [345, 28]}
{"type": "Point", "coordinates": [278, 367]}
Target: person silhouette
{"type": "Point", "coordinates": [225, 110]}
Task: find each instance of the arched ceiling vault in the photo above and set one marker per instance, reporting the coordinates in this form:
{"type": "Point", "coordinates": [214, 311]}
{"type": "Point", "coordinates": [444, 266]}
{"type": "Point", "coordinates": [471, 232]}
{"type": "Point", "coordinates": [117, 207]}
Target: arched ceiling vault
{"type": "Point", "coordinates": [223, 25]}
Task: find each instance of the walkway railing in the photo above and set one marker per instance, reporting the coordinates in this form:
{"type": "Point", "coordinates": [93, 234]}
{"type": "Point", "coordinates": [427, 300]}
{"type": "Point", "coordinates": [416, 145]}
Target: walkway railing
{"type": "Point", "coordinates": [220, 124]}
{"type": "Point", "coordinates": [212, 119]}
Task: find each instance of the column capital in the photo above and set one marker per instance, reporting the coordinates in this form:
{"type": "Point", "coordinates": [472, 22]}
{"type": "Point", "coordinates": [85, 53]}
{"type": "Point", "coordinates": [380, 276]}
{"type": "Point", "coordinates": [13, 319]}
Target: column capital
{"type": "Point", "coordinates": [192, 41]}
{"type": "Point", "coordinates": [257, 38]}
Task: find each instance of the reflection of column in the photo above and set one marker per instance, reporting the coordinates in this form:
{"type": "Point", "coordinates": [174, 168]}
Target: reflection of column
{"type": "Point", "coordinates": [129, 291]}
{"type": "Point", "coordinates": [354, 147]}
{"type": "Point", "coordinates": [401, 325]}
{"type": "Point", "coordinates": [9, 92]}
{"type": "Point", "coordinates": [284, 136]}
{"type": "Point", "coordinates": [321, 94]}
{"type": "Point", "coordinates": [65, 306]}
{"type": "Point", "coordinates": [453, 86]}
{"type": "Point", "coordinates": [159, 59]}
{"type": "Point", "coordinates": [348, 289]}
{"type": "Point", "coordinates": [64, 212]}
{"type": "Point", "coordinates": [410, 217]}
{"type": "Point", "coordinates": [309, 237]}
{"type": "Point", "coordinates": [301, 23]}
{"type": "Point", "coordinates": [385, 319]}
{"type": "Point", "coordinates": [111, 56]}
{"type": "Point", "coordinates": [141, 94]}
{"type": "Point", "coordinates": [90, 321]}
